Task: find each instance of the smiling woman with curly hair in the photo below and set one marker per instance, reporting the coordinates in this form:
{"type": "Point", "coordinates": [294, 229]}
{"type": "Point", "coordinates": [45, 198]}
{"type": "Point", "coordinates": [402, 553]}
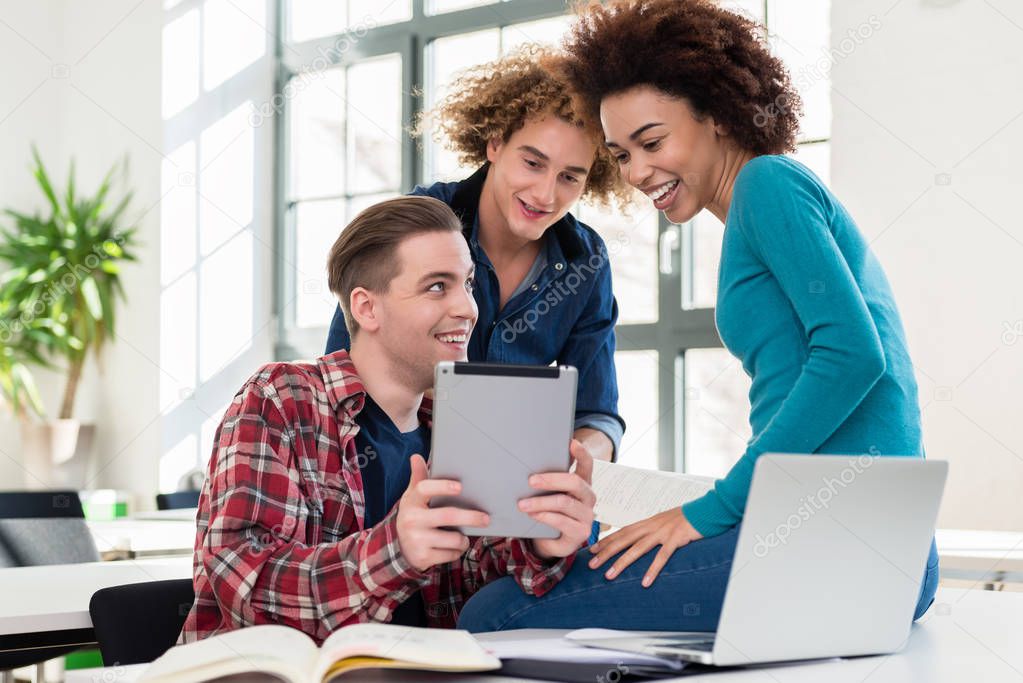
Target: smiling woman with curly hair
{"type": "Point", "coordinates": [543, 280]}
{"type": "Point", "coordinates": [697, 112]}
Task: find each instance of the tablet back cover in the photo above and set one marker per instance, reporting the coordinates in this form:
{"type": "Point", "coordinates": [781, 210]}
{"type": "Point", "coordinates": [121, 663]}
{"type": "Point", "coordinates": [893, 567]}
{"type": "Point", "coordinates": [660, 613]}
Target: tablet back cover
{"type": "Point", "coordinates": [494, 426]}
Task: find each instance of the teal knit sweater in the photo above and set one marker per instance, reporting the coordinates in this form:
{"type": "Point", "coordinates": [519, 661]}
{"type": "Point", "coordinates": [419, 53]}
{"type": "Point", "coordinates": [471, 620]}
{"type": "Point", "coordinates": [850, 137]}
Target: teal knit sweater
{"type": "Point", "coordinates": [806, 307]}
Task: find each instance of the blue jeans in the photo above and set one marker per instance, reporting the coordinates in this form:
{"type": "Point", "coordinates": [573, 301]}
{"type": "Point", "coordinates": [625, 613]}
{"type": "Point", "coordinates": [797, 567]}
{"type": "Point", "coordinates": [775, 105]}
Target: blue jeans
{"type": "Point", "coordinates": [687, 595]}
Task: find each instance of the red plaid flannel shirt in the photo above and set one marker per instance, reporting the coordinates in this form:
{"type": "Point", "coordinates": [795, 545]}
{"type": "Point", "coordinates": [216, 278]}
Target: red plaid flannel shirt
{"type": "Point", "coordinates": [281, 538]}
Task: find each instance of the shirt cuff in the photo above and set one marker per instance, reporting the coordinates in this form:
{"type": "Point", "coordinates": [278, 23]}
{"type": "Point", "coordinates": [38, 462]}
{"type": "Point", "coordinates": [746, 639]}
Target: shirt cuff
{"type": "Point", "coordinates": [605, 423]}
{"type": "Point", "coordinates": [539, 575]}
{"type": "Point", "coordinates": [709, 515]}
{"type": "Point", "coordinates": [384, 568]}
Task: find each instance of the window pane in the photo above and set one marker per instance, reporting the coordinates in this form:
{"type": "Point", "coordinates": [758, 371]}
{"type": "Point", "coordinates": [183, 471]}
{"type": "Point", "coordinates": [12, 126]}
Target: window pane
{"type": "Point", "coordinates": [801, 34]}
{"type": "Point", "coordinates": [716, 411]}
{"type": "Point", "coordinates": [317, 225]}
{"type": "Point", "coordinates": [441, 6]}
{"type": "Point", "coordinates": [637, 404]}
{"type": "Point", "coordinates": [632, 247]}
{"type": "Point", "coordinates": [317, 127]}
{"type": "Point", "coordinates": [357, 204]}
{"type": "Point", "coordinates": [374, 124]}
{"type": "Point", "coordinates": [378, 13]}
{"type": "Point", "coordinates": [543, 32]}
{"type": "Point", "coordinates": [703, 260]}
{"type": "Point", "coordinates": [817, 157]}
{"type": "Point", "coordinates": [308, 19]}
{"type": "Point", "coordinates": [446, 57]}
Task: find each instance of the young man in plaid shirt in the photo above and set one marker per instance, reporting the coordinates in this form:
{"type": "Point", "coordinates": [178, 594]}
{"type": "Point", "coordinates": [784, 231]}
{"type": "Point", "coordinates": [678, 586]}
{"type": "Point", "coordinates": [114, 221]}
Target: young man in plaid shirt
{"type": "Point", "coordinates": [313, 513]}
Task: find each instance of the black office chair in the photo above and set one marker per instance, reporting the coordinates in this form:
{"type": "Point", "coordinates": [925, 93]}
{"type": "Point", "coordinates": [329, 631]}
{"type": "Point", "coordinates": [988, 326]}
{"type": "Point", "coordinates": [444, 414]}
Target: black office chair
{"type": "Point", "coordinates": [177, 500]}
{"type": "Point", "coordinates": [37, 528]}
{"type": "Point", "coordinates": [138, 622]}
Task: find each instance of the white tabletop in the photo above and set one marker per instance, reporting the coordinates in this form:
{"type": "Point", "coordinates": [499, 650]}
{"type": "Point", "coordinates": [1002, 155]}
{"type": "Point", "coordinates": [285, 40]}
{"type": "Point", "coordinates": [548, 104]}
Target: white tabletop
{"type": "Point", "coordinates": [56, 597]}
{"type": "Point", "coordinates": [178, 514]}
{"type": "Point", "coordinates": [988, 556]}
{"type": "Point", "coordinates": [965, 636]}
{"type": "Point", "coordinates": [144, 536]}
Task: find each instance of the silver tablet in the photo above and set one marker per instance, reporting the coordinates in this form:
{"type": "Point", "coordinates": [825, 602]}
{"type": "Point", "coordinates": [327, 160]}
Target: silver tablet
{"type": "Point", "coordinates": [493, 426]}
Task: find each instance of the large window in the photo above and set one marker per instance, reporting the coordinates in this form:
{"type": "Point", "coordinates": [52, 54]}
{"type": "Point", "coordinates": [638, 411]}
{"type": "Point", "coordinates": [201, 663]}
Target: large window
{"type": "Point", "coordinates": [354, 75]}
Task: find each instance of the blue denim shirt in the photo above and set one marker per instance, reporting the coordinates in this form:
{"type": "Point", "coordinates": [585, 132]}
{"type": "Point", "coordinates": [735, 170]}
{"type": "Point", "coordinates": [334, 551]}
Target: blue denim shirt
{"type": "Point", "coordinates": [566, 315]}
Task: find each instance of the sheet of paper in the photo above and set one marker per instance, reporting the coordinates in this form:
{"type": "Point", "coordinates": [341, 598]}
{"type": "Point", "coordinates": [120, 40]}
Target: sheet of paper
{"type": "Point", "coordinates": [561, 650]}
{"type": "Point", "coordinates": [629, 494]}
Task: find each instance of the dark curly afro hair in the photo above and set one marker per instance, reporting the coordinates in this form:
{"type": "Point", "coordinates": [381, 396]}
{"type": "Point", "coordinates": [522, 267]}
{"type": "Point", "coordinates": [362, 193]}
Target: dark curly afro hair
{"type": "Point", "coordinates": [496, 99]}
{"type": "Point", "coordinates": [693, 49]}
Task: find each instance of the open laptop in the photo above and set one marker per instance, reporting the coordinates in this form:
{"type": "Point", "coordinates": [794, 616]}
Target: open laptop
{"type": "Point", "coordinates": [829, 562]}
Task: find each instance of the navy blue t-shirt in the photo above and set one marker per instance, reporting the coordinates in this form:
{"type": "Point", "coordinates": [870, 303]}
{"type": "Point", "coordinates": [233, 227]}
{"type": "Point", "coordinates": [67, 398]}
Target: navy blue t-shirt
{"type": "Point", "coordinates": [383, 456]}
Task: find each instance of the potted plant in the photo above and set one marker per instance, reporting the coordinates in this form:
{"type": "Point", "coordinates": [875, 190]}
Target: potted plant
{"type": "Point", "coordinates": [58, 301]}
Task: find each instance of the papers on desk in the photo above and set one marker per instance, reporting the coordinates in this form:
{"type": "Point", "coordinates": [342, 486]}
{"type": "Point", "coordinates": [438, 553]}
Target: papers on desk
{"type": "Point", "coordinates": [566, 651]}
{"type": "Point", "coordinates": [630, 494]}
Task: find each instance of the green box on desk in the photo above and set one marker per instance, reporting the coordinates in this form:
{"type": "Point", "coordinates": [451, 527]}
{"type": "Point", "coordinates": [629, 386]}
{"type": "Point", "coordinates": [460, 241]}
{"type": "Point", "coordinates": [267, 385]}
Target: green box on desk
{"type": "Point", "coordinates": [104, 504]}
{"type": "Point", "coordinates": [83, 659]}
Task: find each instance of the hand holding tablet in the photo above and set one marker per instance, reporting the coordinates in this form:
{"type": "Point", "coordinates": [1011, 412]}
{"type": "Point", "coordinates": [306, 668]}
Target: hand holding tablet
{"type": "Point", "coordinates": [569, 507]}
{"type": "Point", "coordinates": [495, 427]}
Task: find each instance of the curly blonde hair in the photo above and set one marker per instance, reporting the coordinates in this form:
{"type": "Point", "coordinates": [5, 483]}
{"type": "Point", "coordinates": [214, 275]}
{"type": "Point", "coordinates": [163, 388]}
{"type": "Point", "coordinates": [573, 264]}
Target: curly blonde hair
{"type": "Point", "coordinates": [495, 99]}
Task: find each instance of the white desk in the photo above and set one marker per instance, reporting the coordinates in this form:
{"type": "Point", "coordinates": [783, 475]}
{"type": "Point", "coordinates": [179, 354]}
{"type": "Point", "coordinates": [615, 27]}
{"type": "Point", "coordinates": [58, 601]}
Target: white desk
{"type": "Point", "coordinates": [990, 557]}
{"type": "Point", "coordinates": [135, 537]}
{"type": "Point", "coordinates": [50, 604]}
{"type": "Point", "coordinates": [180, 515]}
{"type": "Point", "coordinates": [965, 636]}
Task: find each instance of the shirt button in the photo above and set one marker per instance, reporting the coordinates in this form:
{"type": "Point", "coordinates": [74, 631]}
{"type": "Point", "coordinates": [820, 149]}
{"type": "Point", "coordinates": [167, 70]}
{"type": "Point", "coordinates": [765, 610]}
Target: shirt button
{"type": "Point", "coordinates": [535, 287]}
{"type": "Point", "coordinates": [559, 266]}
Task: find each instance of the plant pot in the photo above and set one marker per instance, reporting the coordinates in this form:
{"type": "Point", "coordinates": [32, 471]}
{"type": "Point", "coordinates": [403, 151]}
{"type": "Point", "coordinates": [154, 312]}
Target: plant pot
{"type": "Point", "coordinates": [57, 453]}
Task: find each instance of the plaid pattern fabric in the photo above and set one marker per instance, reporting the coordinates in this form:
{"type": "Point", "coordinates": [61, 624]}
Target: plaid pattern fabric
{"type": "Point", "coordinates": [280, 537]}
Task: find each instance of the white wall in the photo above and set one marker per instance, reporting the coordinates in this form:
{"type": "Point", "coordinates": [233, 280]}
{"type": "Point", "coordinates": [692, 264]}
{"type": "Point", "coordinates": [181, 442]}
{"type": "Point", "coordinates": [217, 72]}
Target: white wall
{"type": "Point", "coordinates": [29, 106]}
{"type": "Point", "coordinates": [928, 125]}
{"type": "Point", "coordinates": [64, 91]}
{"type": "Point", "coordinates": [90, 83]}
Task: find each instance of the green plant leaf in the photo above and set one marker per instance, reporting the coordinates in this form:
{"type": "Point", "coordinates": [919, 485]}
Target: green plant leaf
{"type": "Point", "coordinates": [44, 180]}
{"type": "Point", "coordinates": [24, 381]}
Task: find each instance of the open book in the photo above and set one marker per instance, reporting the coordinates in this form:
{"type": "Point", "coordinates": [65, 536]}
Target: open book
{"type": "Point", "coordinates": [281, 653]}
{"type": "Point", "coordinates": [630, 494]}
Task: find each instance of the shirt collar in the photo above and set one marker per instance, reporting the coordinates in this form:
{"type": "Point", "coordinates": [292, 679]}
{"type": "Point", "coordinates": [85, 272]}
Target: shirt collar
{"type": "Point", "coordinates": [345, 389]}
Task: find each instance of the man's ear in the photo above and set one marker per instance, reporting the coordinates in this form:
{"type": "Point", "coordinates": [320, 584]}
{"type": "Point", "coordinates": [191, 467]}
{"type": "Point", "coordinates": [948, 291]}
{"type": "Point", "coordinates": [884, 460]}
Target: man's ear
{"type": "Point", "coordinates": [493, 146]}
{"type": "Point", "coordinates": [362, 303]}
